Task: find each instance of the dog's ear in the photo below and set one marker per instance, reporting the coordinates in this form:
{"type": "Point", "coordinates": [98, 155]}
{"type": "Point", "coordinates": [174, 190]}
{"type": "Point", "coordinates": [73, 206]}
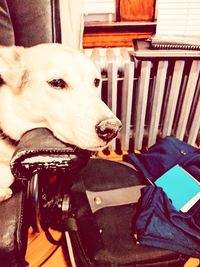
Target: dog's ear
{"type": "Point", "coordinates": [11, 67]}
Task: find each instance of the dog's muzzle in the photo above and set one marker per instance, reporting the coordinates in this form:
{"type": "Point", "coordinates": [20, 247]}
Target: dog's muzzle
{"type": "Point", "coordinates": [108, 129]}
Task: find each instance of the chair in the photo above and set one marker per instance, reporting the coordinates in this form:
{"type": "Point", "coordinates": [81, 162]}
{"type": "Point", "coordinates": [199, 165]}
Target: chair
{"type": "Point", "coordinates": [24, 23]}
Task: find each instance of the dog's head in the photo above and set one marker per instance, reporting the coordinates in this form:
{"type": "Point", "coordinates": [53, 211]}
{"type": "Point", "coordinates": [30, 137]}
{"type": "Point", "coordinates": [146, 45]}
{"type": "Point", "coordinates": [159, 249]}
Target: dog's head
{"type": "Point", "coordinates": [50, 86]}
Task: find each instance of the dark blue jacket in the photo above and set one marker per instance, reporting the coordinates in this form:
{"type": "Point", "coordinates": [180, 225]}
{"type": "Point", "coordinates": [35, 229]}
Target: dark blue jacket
{"type": "Point", "coordinates": [162, 156]}
{"type": "Point", "coordinates": [157, 222]}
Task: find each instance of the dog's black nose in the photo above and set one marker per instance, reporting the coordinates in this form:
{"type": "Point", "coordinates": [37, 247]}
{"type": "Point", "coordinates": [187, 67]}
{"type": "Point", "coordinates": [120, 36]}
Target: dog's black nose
{"type": "Point", "coordinates": [108, 129]}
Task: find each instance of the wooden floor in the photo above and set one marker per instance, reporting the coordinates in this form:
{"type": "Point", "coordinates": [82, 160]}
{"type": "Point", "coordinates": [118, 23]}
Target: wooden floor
{"type": "Point", "coordinates": [39, 248]}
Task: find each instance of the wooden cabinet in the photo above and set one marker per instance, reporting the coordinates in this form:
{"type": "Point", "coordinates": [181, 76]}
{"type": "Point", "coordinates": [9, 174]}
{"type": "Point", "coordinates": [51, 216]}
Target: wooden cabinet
{"type": "Point", "coordinates": [136, 10]}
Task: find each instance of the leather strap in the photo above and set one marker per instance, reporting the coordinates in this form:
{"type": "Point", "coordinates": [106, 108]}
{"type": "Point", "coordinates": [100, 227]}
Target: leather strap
{"type": "Point", "coordinates": [114, 197]}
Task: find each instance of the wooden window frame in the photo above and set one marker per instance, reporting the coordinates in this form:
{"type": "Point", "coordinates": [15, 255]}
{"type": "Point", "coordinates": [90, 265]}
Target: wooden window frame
{"type": "Point", "coordinates": [117, 34]}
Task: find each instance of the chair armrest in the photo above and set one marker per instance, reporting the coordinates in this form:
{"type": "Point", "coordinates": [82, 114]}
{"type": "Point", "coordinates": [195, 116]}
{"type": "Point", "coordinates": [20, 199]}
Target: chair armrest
{"type": "Point", "coordinates": [13, 230]}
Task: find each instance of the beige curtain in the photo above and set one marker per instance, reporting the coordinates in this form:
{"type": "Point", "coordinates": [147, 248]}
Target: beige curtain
{"type": "Point", "coordinates": [71, 15]}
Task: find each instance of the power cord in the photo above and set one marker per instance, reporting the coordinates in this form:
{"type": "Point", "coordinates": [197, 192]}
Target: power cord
{"type": "Point", "coordinates": [58, 243]}
{"type": "Point", "coordinates": [50, 255]}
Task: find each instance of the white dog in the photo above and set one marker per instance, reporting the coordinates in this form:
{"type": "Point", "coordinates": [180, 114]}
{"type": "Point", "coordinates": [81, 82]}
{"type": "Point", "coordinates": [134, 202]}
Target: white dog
{"type": "Point", "coordinates": [50, 86]}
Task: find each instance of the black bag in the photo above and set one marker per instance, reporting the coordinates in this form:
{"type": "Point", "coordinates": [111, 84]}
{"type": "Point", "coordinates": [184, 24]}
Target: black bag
{"type": "Point", "coordinates": [102, 206]}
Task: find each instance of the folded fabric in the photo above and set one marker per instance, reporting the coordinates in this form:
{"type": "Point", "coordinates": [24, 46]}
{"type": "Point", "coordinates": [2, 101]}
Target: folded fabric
{"type": "Point", "coordinates": [165, 154]}
{"type": "Point", "coordinates": [159, 224]}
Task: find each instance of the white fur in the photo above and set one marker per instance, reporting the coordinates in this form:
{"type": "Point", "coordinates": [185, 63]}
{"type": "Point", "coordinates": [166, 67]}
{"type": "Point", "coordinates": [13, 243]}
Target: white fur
{"type": "Point", "coordinates": [28, 101]}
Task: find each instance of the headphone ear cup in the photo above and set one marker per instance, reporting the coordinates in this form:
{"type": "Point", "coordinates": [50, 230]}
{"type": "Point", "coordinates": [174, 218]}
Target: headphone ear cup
{"type": "Point", "coordinates": [49, 197]}
{"type": "Point", "coordinates": [34, 200]}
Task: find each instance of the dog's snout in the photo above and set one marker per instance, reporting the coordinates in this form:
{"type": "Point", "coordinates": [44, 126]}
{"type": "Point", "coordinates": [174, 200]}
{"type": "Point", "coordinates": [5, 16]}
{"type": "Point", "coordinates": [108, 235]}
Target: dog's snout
{"type": "Point", "coordinates": [108, 129]}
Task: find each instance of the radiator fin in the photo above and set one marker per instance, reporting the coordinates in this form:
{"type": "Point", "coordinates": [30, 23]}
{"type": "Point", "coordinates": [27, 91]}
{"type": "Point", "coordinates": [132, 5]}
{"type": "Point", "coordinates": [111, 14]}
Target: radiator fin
{"type": "Point", "coordinates": [187, 101]}
{"type": "Point", "coordinates": [173, 97]}
{"type": "Point", "coordinates": [157, 101]}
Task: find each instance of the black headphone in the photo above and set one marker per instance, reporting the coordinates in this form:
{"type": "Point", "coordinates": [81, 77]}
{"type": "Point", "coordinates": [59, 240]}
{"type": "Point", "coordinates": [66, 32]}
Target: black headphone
{"type": "Point", "coordinates": [48, 167]}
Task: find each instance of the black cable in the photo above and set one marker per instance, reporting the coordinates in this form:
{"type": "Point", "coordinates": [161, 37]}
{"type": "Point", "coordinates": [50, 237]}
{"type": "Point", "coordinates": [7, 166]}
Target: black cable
{"type": "Point", "coordinates": [50, 255]}
{"type": "Point", "coordinates": [52, 240]}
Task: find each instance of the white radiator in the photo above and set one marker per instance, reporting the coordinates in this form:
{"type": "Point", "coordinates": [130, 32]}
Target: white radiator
{"type": "Point", "coordinates": [153, 98]}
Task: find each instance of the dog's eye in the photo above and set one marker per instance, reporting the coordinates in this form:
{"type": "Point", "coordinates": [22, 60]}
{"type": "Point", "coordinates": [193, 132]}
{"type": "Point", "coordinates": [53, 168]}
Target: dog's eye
{"type": "Point", "coordinates": [58, 83]}
{"type": "Point", "coordinates": [96, 82]}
